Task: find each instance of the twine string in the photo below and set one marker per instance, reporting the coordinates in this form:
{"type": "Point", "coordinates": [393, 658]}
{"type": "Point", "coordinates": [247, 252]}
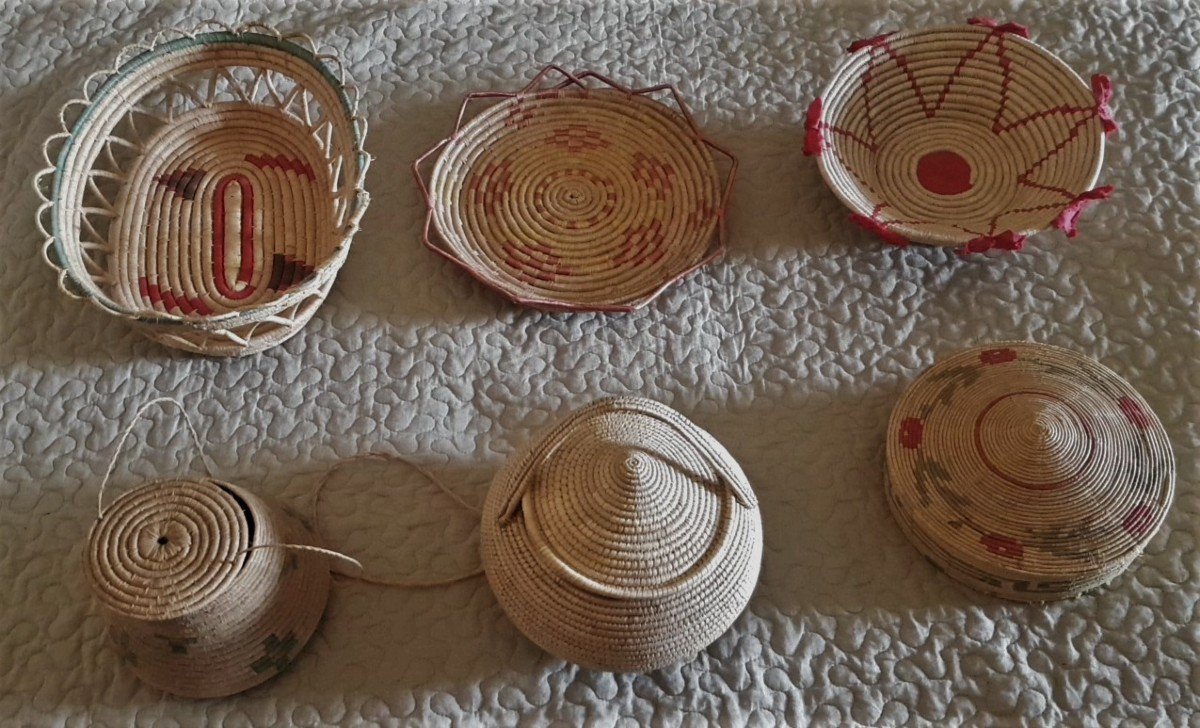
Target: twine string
{"type": "Point", "coordinates": [112, 464]}
{"type": "Point", "coordinates": [361, 574]}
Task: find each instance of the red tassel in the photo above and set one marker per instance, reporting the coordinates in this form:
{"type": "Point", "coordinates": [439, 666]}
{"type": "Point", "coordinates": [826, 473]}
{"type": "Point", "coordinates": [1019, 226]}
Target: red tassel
{"type": "Point", "coordinates": [858, 45]}
{"type": "Point", "coordinates": [1014, 28]}
{"type": "Point", "coordinates": [1068, 219]}
{"type": "Point", "coordinates": [880, 230]}
{"type": "Point", "coordinates": [1102, 89]}
{"type": "Point", "coordinates": [1007, 240]}
{"type": "Point", "coordinates": [812, 124]}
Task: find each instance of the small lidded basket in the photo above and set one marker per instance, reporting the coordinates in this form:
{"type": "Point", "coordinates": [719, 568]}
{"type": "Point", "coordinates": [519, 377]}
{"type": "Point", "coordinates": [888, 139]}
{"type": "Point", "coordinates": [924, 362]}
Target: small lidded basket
{"type": "Point", "coordinates": [207, 188]}
{"type": "Point", "coordinates": [196, 604]}
{"type": "Point", "coordinates": [970, 136]}
{"type": "Point", "coordinates": [624, 539]}
{"type": "Point", "coordinates": [1027, 471]}
{"type": "Point", "coordinates": [577, 193]}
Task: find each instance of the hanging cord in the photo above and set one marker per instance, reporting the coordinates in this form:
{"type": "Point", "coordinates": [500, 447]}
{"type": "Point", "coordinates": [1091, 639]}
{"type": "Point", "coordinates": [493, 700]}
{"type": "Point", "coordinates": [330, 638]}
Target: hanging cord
{"type": "Point", "coordinates": [112, 464]}
{"type": "Point", "coordinates": [361, 574]}
{"type": "Point", "coordinates": [314, 508]}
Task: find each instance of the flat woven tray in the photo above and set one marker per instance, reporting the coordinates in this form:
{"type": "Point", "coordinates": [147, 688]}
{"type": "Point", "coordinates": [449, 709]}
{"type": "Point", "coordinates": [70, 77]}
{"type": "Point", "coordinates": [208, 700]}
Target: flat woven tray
{"type": "Point", "coordinates": [1027, 471]}
{"type": "Point", "coordinates": [208, 187]}
{"type": "Point", "coordinates": [577, 194]}
{"type": "Point", "coordinates": [968, 135]}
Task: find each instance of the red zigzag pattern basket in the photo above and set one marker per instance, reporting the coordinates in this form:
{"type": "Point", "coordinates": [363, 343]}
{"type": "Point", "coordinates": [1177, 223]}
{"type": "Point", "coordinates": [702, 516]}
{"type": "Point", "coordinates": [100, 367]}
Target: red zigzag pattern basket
{"type": "Point", "coordinates": [968, 136]}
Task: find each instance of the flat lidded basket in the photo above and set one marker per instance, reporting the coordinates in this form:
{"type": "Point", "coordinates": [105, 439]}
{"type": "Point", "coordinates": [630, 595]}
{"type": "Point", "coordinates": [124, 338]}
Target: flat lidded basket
{"type": "Point", "coordinates": [1027, 471]}
{"type": "Point", "coordinates": [580, 195]}
{"type": "Point", "coordinates": [625, 538]}
{"type": "Point", "coordinates": [208, 187]}
{"type": "Point", "coordinates": [969, 136]}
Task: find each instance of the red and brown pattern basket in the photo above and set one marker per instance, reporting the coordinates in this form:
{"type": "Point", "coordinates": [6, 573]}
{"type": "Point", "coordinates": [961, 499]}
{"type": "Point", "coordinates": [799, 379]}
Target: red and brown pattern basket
{"type": "Point", "coordinates": [207, 187]}
{"type": "Point", "coordinates": [969, 136]}
{"type": "Point", "coordinates": [576, 193]}
{"type": "Point", "coordinates": [1027, 471]}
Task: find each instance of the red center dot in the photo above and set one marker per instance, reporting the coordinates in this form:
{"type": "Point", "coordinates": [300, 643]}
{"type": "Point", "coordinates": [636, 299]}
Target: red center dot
{"type": "Point", "coordinates": [944, 173]}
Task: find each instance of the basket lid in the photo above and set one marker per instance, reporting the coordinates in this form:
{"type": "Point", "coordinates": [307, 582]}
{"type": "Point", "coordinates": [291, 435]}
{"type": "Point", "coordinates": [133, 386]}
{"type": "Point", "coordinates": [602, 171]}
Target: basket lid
{"type": "Point", "coordinates": [625, 538]}
{"type": "Point", "coordinates": [1027, 470]}
{"type": "Point", "coordinates": [622, 500]}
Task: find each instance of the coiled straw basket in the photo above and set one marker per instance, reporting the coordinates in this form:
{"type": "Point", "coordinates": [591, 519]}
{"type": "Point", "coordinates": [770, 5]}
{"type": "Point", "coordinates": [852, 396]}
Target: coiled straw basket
{"type": "Point", "coordinates": [969, 136]}
{"type": "Point", "coordinates": [207, 187]}
{"type": "Point", "coordinates": [577, 193]}
{"type": "Point", "coordinates": [191, 609]}
{"type": "Point", "coordinates": [1027, 471]}
{"type": "Point", "coordinates": [624, 539]}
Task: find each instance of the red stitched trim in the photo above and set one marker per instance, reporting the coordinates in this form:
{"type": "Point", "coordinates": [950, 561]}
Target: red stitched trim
{"type": "Point", "coordinates": [858, 45]}
{"type": "Point", "coordinates": [880, 230]}
{"type": "Point", "coordinates": [1007, 240]}
{"type": "Point", "coordinates": [1102, 89]}
{"type": "Point", "coordinates": [246, 220]}
{"type": "Point", "coordinates": [812, 125]}
{"type": "Point", "coordinates": [1068, 219]}
{"type": "Point", "coordinates": [281, 162]}
{"type": "Point", "coordinates": [1014, 28]}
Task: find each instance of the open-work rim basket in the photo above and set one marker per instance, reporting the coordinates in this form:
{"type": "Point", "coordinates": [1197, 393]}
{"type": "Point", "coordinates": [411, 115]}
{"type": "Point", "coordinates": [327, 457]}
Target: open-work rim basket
{"type": "Point", "coordinates": [207, 187]}
{"type": "Point", "coordinates": [577, 193]}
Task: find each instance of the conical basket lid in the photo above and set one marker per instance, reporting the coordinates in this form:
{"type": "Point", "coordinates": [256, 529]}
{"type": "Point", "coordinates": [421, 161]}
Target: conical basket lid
{"type": "Point", "coordinates": [625, 500]}
{"type": "Point", "coordinates": [1028, 471]}
{"type": "Point", "coordinates": [625, 538]}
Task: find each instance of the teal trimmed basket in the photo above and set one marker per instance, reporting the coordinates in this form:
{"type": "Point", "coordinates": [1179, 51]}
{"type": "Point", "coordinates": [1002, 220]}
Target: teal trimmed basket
{"type": "Point", "coordinates": [207, 188]}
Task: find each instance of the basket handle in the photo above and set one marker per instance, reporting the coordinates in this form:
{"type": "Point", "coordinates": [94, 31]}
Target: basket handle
{"type": "Point", "coordinates": [734, 490]}
{"type": "Point", "coordinates": [112, 464]}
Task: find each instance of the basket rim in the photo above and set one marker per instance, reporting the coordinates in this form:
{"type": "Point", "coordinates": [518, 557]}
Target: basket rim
{"type": "Point", "coordinates": [134, 56]}
{"type": "Point", "coordinates": [576, 84]}
{"type": "Point", "coordinates": [853, 57]}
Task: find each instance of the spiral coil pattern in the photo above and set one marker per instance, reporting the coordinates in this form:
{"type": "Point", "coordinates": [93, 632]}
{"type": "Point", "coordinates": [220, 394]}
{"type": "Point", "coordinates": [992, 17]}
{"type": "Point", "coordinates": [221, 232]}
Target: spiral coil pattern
{"type": "Point", "coordinates": [577, 198]}
{"type": "Point", "coordinates": [625, 538]}
{"type": "Point", "coordinates": [958, 134]}
{"type": "Point", "coordinates": [1027, 471]}
{"type": "Point", "coordinates": [191, 609]}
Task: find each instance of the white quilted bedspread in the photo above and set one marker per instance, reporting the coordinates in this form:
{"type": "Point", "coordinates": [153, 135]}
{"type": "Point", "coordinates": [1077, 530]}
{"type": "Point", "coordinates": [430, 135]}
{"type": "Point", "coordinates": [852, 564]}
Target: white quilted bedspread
{"type": "Point", "coordinates": [791, 352]}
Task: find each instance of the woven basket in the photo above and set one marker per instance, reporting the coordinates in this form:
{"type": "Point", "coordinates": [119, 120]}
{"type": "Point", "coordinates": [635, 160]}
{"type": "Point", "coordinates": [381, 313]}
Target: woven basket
{"type": "Point", "coordinates": [967, 135]}
{"type": "Point", "coordinates": [188, 609]}
{"type": "Point", "coordinates": [1027, 471]}
{"type": "Point", "coordinates": [569, 196]}
{"type": "Point", "coordinates": [624, 539]}
{"type": "Point", "coordinates": [208, 188]}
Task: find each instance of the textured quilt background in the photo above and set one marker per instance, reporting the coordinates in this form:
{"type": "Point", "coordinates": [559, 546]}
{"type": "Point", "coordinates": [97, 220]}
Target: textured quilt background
{"type": "Point", "coordinates": [791, 352]}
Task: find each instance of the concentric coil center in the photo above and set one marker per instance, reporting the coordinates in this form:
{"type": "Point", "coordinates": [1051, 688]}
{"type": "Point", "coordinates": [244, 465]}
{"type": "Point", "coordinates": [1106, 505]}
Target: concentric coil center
{"type": "Point", "coordinates": [1034, 439]}
{"type": "Point", "coordinates": [166, 549]}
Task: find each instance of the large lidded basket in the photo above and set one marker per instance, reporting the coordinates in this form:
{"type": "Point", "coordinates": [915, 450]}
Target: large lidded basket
{"type": "Point", "coordinates": [577, 194]}
{"type": "Point", "coordinates": [1027, 471]}
{"type": "Point", "coordinates": [624, 539]}
{"type": "Point", "coordinates": [969, 136]}
{"type": "Point", "coordinates": [196, 606]}
{"type": "Point", "coordinates": [208, 188]}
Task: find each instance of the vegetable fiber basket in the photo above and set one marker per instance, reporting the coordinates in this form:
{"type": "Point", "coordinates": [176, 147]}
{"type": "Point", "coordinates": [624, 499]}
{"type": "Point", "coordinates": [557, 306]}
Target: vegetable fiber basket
{"type": "Point", "coordinates": [207, 188]}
